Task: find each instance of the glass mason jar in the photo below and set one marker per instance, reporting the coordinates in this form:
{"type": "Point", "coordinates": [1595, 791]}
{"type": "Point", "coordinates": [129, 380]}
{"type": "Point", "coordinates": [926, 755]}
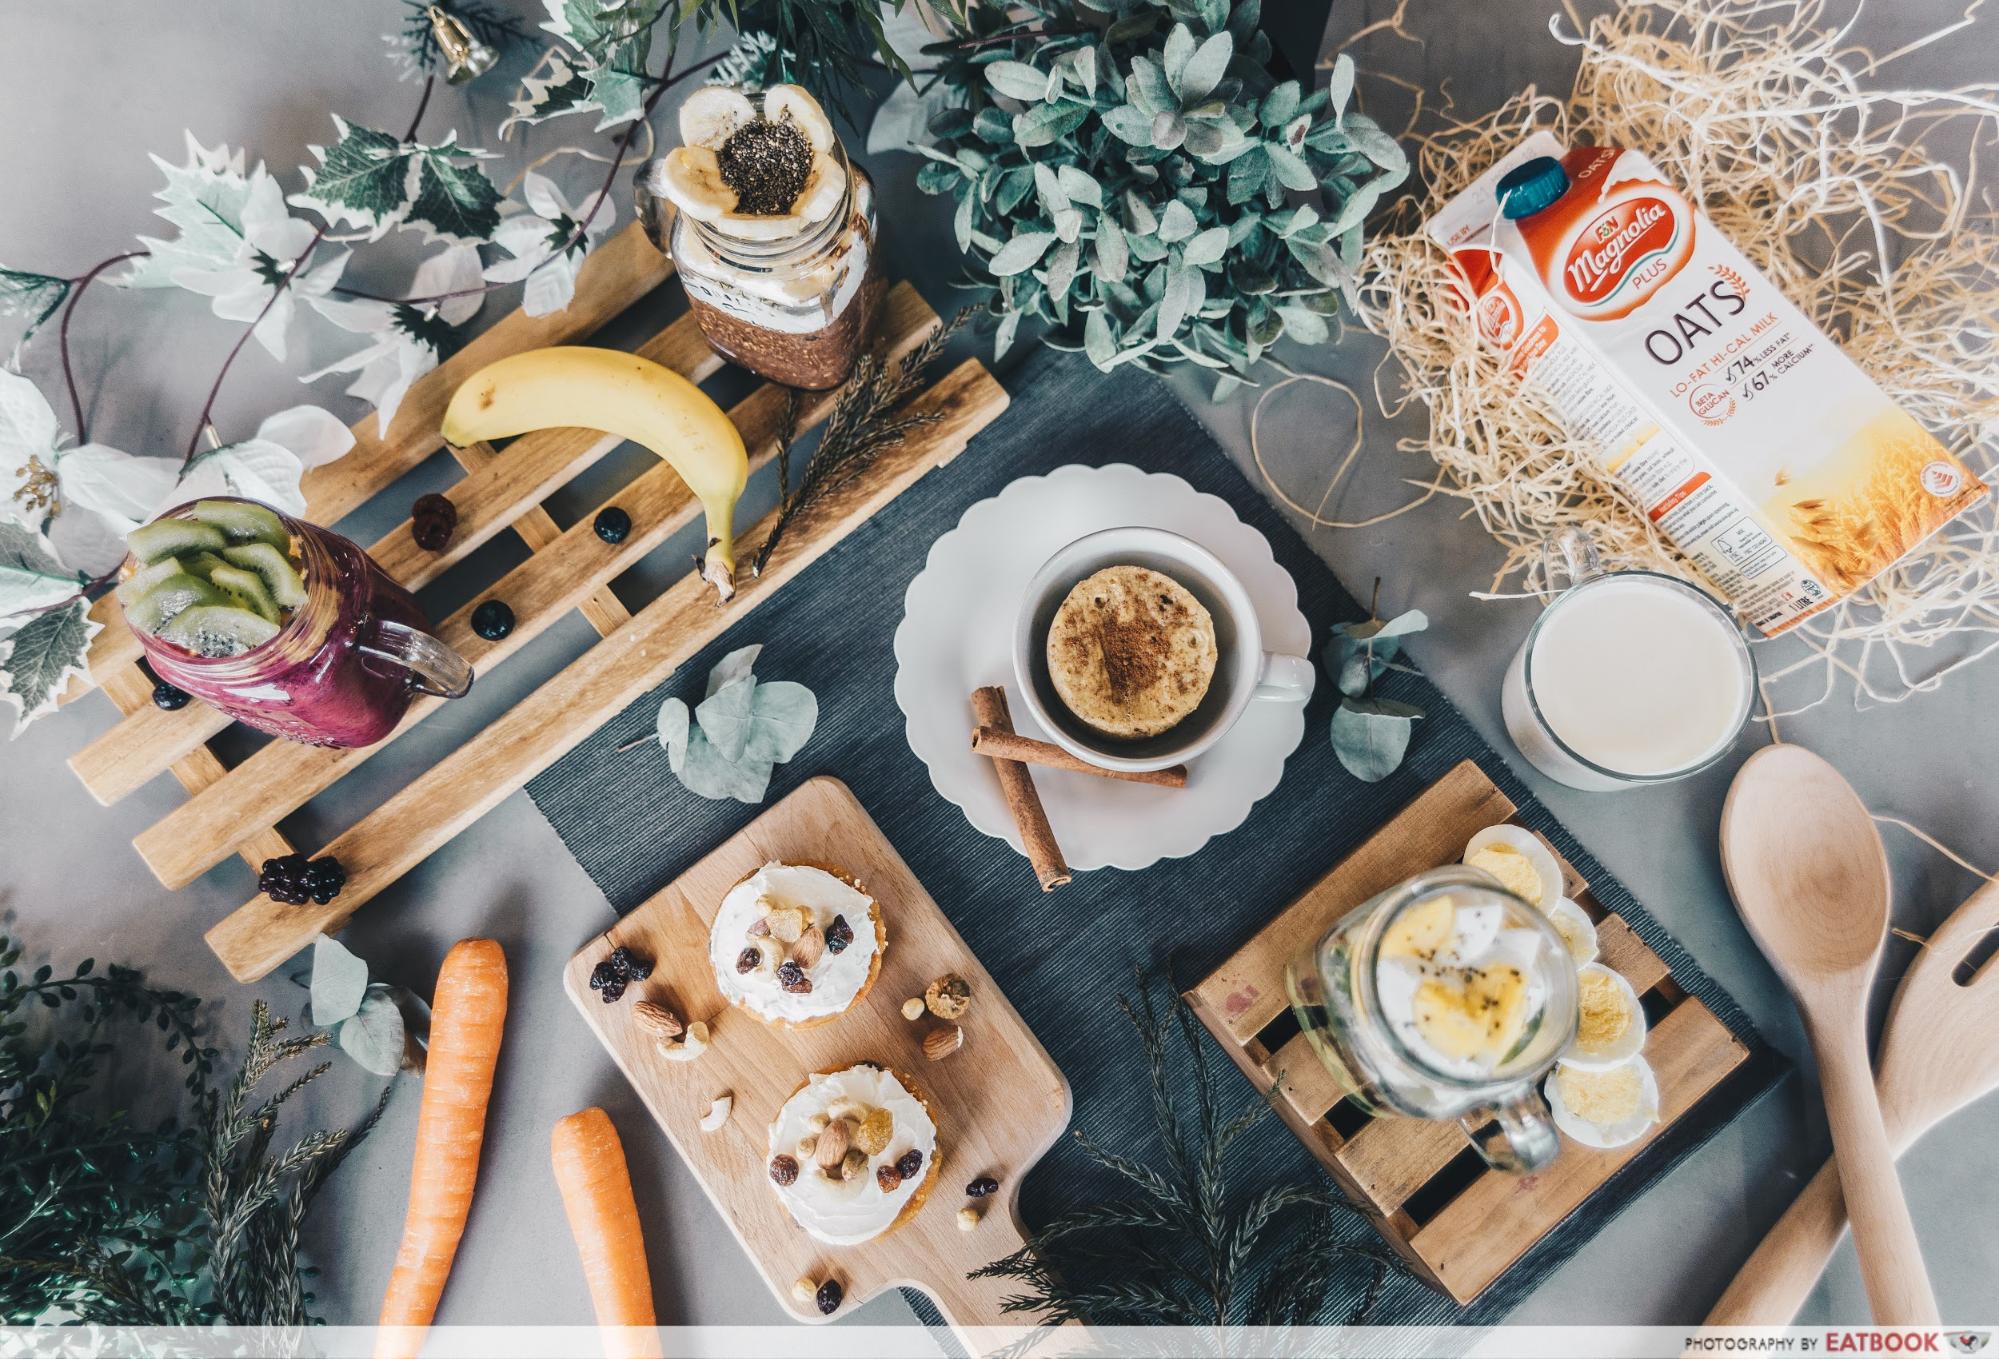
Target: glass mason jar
{"type": "Point", "coordinates": [1337, 993]}
{"type": "Point", "coordinates": [798, 310]}
{"type": "Point", "coordinates": [341, 670]}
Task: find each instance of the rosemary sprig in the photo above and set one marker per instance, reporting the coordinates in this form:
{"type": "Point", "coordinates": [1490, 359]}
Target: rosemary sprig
{"type": "Point", "coordinates": [864, 422]}
{"type": "Point", "coordinates": [1181, 1245]}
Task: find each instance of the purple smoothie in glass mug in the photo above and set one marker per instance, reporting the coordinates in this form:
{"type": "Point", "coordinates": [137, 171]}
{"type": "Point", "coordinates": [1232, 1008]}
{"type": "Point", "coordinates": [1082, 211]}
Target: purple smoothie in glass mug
{"type": "Point", "coordinates": [343, 667]}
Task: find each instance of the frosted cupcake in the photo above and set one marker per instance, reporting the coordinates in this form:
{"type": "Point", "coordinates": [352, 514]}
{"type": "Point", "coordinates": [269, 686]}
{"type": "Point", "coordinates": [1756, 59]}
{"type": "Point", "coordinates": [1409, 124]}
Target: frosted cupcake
{"type": "Point", "coordinates": [796, 944]}
{"type": "Point", "coordinates": [853, 1153]}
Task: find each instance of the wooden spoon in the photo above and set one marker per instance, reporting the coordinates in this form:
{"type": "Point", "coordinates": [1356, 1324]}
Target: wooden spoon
{"type": "Point", "coordinates": [1808, 873]}
{"type": "Point", "coordinates": [1939, 1053]}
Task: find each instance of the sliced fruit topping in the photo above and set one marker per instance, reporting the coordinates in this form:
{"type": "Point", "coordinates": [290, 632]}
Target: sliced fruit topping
{"type": "Point", "coordinates": [139, 584]}
{"type": "Point", "coordinates": [248, 587]}
{"type": "Point", "coordinates": [285, 584]}
{"type": "Point", "coordinates": [173, 537]}
{"type": "Point", "coordinates": [242, 521]}
{"type": "Point", "coordinates": [217, 630]}
{"type": "Point", "coordinates": [172, 596]}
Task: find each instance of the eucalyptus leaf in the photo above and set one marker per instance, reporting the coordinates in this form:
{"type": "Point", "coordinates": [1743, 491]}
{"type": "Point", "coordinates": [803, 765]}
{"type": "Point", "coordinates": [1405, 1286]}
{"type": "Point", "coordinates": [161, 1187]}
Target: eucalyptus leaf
{"type": "Point", "coordinates": [374, 1036]}
{"type": "Point", "coordinates": [339, 981]}
{"type": "Point", "coordinates": [737, 665]}
{"type": "Point", "coordinates": [706, 773]}
{"type": "Point", "coordinates": [1371, 743]}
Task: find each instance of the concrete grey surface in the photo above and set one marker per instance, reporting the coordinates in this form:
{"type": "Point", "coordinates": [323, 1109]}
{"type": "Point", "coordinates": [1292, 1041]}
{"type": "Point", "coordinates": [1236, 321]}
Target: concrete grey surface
{"type": "Point", "coordinates": [115, 80]}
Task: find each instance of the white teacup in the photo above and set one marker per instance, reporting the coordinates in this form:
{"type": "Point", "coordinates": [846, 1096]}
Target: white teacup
{"type": "Point", "coordinates": [1244, 672]}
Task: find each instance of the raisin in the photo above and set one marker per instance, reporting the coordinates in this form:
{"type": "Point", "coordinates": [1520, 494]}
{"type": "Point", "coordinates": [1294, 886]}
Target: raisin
{"type": "Point", "coordinates": [747, 960]}
{"type": "Point", "coordinates": [839, 934]}
{"type": "Point", "coordinates": [982, 1186]}
{"type": "Point", "coordinates": [783, 1169]}
{"type": "Point", "coordinates": [829, 1296]}
{"type": "Point", "coordinates": [909, 1163]}
{"type": "Point", "coordinates": [793, 979]}
{"type": "Point", "coordinates": [889, 1178]}
{"type": "Point", "coordinates": [603, 975]}
{"type": "Point", "coordinates": [635, 966]}
{"type": "Point", "coordinates": [613, 992]}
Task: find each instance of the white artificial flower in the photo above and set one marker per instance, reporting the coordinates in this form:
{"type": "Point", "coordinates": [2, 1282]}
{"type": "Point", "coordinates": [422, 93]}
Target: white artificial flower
{"type": "Point", "coordinates": [533, 235]}
{"type": "Point", "coordinates": [29, 436]}
{"type": "Point", "coordinates": [400, 352]}
{"type": "Point", "coordinates": [271, 243]}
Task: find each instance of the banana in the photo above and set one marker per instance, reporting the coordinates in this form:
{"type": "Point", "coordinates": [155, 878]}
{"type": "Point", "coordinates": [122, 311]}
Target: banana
{"type": "Point", "coordinates": [621, 394]}
{"type": "Point", "coordinates": [711, 113]}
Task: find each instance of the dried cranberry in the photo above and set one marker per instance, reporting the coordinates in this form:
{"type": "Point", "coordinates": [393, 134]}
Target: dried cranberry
{"type": "Point", "coordinates": [792, 978]}
{"type": "Point", "coordinates": [839, 934]}
{"type": "Point", "coordinates": [783, 1169]}
{"type": "Point", "coordinates": [829, 1296]}
{"type": "Point", "coordinates": [982, 1186]}
{"type": "Point", "coordinates": [909, 1163]}
{"type": "Point", "coordinates": [747, 960]}
{"type": "Point", "coordinates": [888, 1177]}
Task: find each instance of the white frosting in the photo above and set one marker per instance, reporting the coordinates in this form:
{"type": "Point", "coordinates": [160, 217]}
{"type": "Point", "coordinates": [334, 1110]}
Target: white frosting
{"type": "Point", "coordinates": [836, 978]}
{"type": "Point", "coordinates": [847, 1212]}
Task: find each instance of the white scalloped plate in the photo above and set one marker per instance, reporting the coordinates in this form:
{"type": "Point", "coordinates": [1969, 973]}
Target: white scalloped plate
{"type": "Point", "coordinates": [956, 635]}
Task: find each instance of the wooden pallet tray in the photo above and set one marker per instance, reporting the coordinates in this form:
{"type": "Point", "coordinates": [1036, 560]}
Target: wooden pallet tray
{"type": "Point", "coordinates": [1460, 1224]}
{"type": "Point", "coordinates": [236, 809]}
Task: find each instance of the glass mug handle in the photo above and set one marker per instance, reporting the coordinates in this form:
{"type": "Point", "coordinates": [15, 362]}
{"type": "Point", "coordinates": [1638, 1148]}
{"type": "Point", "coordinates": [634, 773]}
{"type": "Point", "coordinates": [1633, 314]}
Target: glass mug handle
{"type": "Point", "coordinates": [1570, 558]}
{"type": "Point", "coordinates": [1517, 1137]}
{"type": "Point", "coordinates": [434, 668]}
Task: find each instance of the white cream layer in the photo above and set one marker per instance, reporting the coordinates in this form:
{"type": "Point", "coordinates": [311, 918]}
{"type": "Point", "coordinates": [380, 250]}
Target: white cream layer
{"type": "Point", "coordinates": [848, 1212]}
{"type": "Point", "coordinates": [836, 978]}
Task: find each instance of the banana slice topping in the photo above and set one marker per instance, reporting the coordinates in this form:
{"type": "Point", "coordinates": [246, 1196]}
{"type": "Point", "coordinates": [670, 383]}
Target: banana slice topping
{"type": "Point", "coordinates": [693, 173]}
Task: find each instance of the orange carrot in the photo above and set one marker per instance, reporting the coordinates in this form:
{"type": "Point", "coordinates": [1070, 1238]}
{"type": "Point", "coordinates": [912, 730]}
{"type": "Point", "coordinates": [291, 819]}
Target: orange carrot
{"type": "Point", "coordinates": [467, 1013]}
{"type": "Point", "coordinates": [604, 1219]}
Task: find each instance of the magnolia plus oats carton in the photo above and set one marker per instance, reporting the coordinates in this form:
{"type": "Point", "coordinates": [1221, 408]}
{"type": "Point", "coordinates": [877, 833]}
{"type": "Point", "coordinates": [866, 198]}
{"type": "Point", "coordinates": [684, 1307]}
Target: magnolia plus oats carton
{"type": "Point", "coordinates": [1759, 449]}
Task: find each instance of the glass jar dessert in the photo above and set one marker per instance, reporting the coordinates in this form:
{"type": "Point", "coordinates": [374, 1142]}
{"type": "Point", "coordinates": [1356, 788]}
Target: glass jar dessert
{"type": "Point", "coordinates": [285, 626]}
{"type": "Point", "coordinates": [1445, 997]}
{"type": "Point", "coordinates": [773, 233]}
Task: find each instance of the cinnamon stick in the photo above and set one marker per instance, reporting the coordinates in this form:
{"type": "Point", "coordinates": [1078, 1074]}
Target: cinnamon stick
{"type": "Point", "coordinates": [1017, 787]}
{"type": "Point", "coordinates": [1009, 745]}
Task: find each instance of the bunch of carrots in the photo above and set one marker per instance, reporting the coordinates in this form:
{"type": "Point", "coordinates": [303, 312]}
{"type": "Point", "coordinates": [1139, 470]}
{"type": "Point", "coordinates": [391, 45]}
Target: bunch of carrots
{"type": "Point", "coordinates": [468, 1012]}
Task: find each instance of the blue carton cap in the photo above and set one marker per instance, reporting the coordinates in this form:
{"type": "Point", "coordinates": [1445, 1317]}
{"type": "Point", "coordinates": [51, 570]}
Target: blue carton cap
{"type": "Point", "coordinates": [1528, 188]}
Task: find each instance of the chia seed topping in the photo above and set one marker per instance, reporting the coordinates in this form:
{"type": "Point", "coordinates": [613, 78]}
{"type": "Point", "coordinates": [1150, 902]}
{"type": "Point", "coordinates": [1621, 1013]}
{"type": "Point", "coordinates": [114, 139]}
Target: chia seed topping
{"type": "Point", "coordinates": [767, 165]}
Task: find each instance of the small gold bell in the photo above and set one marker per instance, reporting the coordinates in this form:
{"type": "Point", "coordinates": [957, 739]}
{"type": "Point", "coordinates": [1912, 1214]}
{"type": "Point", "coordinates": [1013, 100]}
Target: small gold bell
{"type": "Point", "coordinates": [465, 57]}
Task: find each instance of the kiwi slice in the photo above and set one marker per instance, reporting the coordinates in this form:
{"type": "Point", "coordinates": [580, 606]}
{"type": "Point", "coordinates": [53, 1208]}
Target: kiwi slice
{"type": "Point", "coordinates": [201, 564]}
{"type": "Point", "coordinates": [169, 599]}
{"type": "Point", "coordinates": [284, 583]}
{"type": "Point", "coordinates": [173, 538]}
{"type": "Point", "coordinates": [136, 586]}
{"type": "Point", "coordinates": [248, 588]}
{"type": "Point", "coordinates": [217, 630]}
{"type": "Point", "coordinates": [242, 521]}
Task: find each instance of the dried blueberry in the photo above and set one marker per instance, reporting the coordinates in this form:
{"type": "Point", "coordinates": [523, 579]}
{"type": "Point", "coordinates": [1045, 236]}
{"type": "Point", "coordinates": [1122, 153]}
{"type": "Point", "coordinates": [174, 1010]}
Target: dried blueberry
{"type": "Point", "coordinates": [792, 977]}
{"type": "Point", "coordinates": [909, 1163]}
{"type": "Point", "coordinates": [168, 697]}
{"type": "Point", "coordinates": [783, 1169]}
{"type": "Point", "coordinates": [839, 934]}
{"type": "Point", "coordinates": [829, 1296]}
{"type": "Point", "coordinates": [493, 620]}
{"type": "Point", "coordinates": [747, 960]}
{"type": "Point", "coordinates": [612, 524]}
{"type": "Point", "coordinates": [982, 1186]}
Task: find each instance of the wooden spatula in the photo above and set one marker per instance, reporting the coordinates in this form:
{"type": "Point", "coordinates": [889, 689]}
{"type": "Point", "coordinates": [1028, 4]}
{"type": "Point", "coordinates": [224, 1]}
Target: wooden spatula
{"type": "Point", "coordinates": [1806, 868]}
{"type": "Point", "coordinates": [1939, 1052]}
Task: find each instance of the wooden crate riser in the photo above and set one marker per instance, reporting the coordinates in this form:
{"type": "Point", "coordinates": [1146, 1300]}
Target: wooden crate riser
{"type": "Point", "coordinates": [566, 571]}
{"type": "Point", "coordinates": [1459, 1224]}
{"type": "Point", "coordinates": [639, 656]}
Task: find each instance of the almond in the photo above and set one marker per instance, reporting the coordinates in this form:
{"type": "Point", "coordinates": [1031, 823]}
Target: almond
{"type": "Point", "coordinates": [948, 997]}
{"type": "Point", "coordinates": [832, 1148]}
{"type": "Point", "coordinates": [810, 948]}
{"type": "Point", "coordinates": [942, 1041]}
{"type": "Point", "coordinates": [656, 1019]}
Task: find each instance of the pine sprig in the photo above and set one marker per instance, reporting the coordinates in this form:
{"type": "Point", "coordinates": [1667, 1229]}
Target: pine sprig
{"type": "Point", "coordinates": [1182, 1245]}
{"type": "Point", "coordinates": [865, 422]}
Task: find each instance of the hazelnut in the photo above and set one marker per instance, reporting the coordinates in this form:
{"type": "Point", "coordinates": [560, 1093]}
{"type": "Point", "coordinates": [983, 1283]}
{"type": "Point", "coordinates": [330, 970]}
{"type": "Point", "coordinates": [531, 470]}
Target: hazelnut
{"type": "Point", "coordinates": [968, 1218]}
{"type": "Point", "coordinates": [912, 1009]}
{"type": "Point", "coordinates": [803, 1289]}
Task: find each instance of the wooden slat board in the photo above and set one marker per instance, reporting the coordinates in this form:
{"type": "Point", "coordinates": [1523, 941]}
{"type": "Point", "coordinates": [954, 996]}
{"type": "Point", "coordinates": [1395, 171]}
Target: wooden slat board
{"type": "Point", "coordinates": [999, 1102]}
{"type": "Point", "coordinates": [1459, 1224]}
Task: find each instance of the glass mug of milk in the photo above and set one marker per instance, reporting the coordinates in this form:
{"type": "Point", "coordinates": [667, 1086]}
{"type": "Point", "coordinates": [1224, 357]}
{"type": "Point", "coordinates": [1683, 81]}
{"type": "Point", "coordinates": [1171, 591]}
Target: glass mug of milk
{"type": "Point", "coordinates": [1627, 678]}
{"type": "Point", "coordinates": [1445, 997]}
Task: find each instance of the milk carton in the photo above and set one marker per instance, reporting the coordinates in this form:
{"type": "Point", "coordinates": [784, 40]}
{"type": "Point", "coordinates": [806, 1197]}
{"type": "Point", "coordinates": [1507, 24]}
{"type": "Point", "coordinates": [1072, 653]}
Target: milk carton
{"type": "Point", "coordinates": [1759, 449]}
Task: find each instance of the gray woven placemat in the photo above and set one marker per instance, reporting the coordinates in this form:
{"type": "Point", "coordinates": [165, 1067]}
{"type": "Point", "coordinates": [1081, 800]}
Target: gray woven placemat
{"type": "Point", "coordinates": [1062, 957]}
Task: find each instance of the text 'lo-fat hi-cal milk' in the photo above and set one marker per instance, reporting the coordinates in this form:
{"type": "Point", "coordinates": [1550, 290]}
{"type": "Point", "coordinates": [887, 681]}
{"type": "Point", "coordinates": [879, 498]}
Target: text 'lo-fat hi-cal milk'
{"type": "Point", "coordinates": [1759, 449]}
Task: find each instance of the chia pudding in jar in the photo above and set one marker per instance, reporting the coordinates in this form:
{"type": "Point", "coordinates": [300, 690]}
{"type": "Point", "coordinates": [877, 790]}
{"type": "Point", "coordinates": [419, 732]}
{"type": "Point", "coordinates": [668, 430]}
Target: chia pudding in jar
{"type": "Point", "coordinates": [773, 233]}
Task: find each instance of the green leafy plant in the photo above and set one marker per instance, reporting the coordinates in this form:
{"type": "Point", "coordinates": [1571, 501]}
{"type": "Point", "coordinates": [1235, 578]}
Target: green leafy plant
{"type": "Point", "coordinates": [194, 1220]}
{"type": "Point", "coordinates": [1371, 733]}
{"type": "Point", "coordinates": [727, 745]}
{"type": "Point", "coordinates": [1133, 173]}
{"type": "Point", "coordinates": [382, 1027]}
{"type": "Point", "coordinates": [1183, 1245]}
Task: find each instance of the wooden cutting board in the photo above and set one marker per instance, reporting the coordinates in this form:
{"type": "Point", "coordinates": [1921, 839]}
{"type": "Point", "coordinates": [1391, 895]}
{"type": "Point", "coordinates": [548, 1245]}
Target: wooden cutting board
{"type": "Point", "coordinates": [999, 1102]}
